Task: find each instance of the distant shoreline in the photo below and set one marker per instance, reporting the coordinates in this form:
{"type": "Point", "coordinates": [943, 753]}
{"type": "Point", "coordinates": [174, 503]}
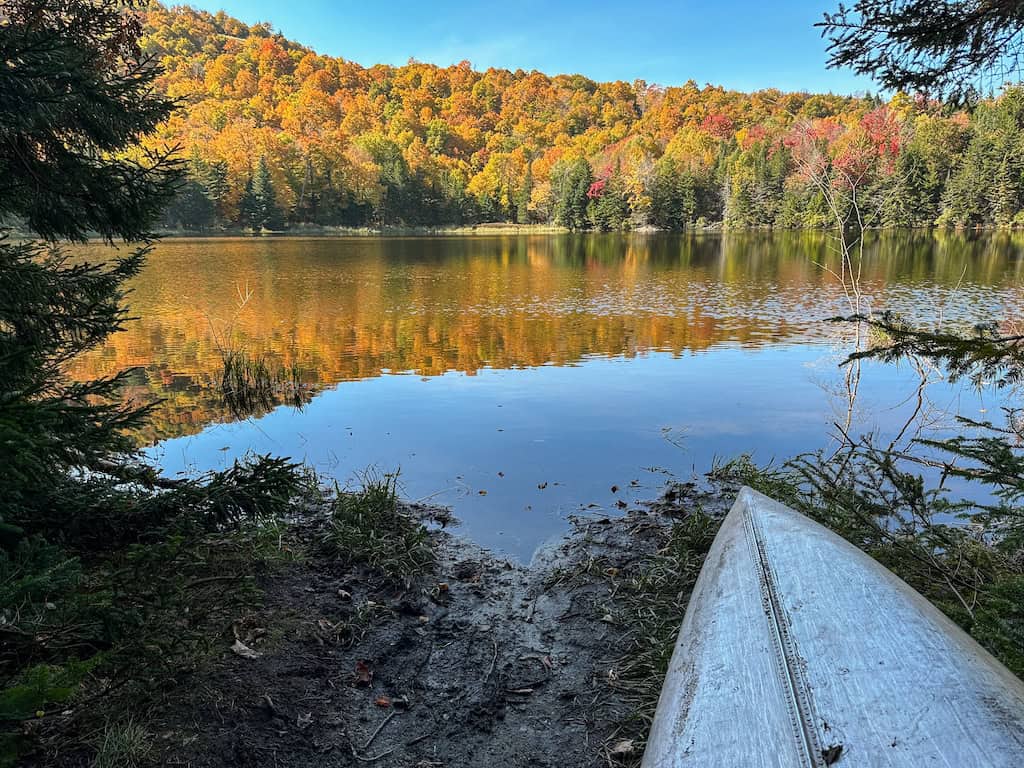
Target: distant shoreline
{"type": "Point", "coordinates": [492, 229]}
{"type": "Point", "coordinates": [499, 229]}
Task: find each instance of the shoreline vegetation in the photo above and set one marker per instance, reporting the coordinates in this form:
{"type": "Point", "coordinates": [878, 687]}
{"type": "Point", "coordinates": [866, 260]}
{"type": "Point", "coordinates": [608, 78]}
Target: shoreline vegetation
{"type": "Point", "coordinates": [348, 624]}
{"type": "Point", "coordinates": [361, 628]}
{"type": "Point", "coordinates": [504, 228]}
{"type": "Point", "coordinates": [501, 229]}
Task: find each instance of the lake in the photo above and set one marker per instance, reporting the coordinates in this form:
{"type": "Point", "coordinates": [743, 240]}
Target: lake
{"type": "Point", "coordinates": [520, 379]}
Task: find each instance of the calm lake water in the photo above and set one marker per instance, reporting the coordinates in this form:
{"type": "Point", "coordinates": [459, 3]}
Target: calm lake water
{"type": "Point", "coordinates": [518, 379]}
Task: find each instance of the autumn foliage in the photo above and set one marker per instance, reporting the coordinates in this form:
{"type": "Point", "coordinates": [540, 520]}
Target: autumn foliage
{"type": "Point", "coordinates": [278, 135]}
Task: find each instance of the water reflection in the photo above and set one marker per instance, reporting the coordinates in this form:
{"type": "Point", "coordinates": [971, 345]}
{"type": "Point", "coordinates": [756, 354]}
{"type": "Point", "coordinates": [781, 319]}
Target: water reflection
{"type": "Point", "coordinates": [336, 310]}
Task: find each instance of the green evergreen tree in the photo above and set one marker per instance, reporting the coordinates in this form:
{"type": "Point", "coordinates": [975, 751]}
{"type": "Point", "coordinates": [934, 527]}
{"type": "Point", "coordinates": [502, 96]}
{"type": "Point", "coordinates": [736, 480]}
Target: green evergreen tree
{"type": "Point", "coordinates": [987, 186]}
{"type": "Point", "coordinates": [75, 94]}
{"type": "Point", "coordinates": [213, 177]}
{"type": "Point", "coordinates": [673, 195]}
{"type": "Point", "coordinates": [74, 99]}
{"type": "Point", "coordinates": [190, 209]}
{"type": "Point", "coordinates": [265, 212]}
{"type": "Point", "coordinates": [522, 201]}
{"type": "Point", "coordinates": [608, 209]}
{"type": "Point", "coordinates": [571, 182]}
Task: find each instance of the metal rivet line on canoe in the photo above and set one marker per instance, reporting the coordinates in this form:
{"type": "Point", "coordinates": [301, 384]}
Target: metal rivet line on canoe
{"type": "Point", "coordinates": [787, 656]}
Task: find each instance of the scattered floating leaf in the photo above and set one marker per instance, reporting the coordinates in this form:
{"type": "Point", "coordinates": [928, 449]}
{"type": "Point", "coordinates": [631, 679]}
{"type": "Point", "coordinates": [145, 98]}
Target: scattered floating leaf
{"type": "Point", "coordinates": [482, 493]}
{"type": "Point", "coordinates": [615, 489]}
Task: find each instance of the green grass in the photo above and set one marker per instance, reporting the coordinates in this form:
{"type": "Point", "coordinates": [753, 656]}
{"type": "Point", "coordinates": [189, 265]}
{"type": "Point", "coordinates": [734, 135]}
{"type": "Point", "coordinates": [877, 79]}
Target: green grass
{"type": "Point", "coordinates": [649, 600]}
{"type": "Point", "coordinates": [128, 745]}
{"type": "Point", "coordinates": [369, 527]}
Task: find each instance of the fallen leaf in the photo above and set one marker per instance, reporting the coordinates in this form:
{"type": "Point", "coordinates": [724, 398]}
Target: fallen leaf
{"type": "Point", "coordinates": [607, 619]}
{"type": "Point", "coordinates": [501, 474]}
{"type": "Point", "coordinates": [482, 493]}
{"type": "Point", "coordinates": [383, 701]}
{"type": "Point", "coordinates": [364, 673]}
{"type": "Point", "coordinates": [244, 650]}
{"type": "Point", "coordinates": [615, 489]}
{"type": "Point", "coordinates": [624, 747]}
{"type": "Point", "coordinates": [344, 594]}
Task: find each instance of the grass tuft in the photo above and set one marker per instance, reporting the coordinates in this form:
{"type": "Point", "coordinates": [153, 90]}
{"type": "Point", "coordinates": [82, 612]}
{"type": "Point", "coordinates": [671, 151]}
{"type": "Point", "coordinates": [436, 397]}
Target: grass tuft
{"type": "Point", "coordinates": [254, 385]}
{"type": "Point", "coordinates": [124, 746]}
{"type": "Point", "coordinates": [369, 527]}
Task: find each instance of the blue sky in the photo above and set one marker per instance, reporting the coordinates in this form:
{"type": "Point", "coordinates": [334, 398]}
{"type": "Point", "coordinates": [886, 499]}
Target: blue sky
{"type": "Point", "coordinates": [741, 44]}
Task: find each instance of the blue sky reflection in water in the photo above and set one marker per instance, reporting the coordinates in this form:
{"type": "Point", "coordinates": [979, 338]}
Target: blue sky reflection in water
{"type": "Point", "coordinates": [669, 353]}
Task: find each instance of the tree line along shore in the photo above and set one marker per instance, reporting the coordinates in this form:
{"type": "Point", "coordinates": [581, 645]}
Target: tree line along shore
{"type": "Point", "coordinates": [277, 136]}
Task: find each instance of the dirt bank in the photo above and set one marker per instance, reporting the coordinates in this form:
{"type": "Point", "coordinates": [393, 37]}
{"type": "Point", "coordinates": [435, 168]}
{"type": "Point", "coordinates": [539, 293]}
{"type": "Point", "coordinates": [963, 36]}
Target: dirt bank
{"type": "Point", "coordinates": [479, 659]}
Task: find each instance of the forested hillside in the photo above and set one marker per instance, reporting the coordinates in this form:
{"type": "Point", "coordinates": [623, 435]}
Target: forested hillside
{"type": "Point", "coordinates": [277, 135]}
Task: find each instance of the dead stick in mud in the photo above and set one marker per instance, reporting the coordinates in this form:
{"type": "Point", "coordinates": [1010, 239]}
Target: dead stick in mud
{"type": "Point", "coordinates": [494, 660]}
{"type": "Point", "coordinates": [372, 758]}
{"type": "Point", "coordinates": [418, 739]}
{"type": "Point", "coordinates": [379, 728]}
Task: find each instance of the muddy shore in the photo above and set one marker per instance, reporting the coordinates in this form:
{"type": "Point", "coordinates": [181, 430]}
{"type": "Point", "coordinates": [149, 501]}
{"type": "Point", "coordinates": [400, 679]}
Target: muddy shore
{"type": "Point", "coordinates": [480, 659]}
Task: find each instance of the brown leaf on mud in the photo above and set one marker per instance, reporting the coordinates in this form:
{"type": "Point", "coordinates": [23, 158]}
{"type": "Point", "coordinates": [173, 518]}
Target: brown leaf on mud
{"type": "Point", "coordinates": [364, 673]}
{"type": "Point", "coordinates": [382, 701]}
{"type": "Point", "coordinates": [244, 650]}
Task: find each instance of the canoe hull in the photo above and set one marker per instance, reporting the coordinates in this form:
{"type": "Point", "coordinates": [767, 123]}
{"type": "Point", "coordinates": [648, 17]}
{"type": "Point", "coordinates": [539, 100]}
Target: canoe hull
{"type": "Point", "coordinates": [799, 650]}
